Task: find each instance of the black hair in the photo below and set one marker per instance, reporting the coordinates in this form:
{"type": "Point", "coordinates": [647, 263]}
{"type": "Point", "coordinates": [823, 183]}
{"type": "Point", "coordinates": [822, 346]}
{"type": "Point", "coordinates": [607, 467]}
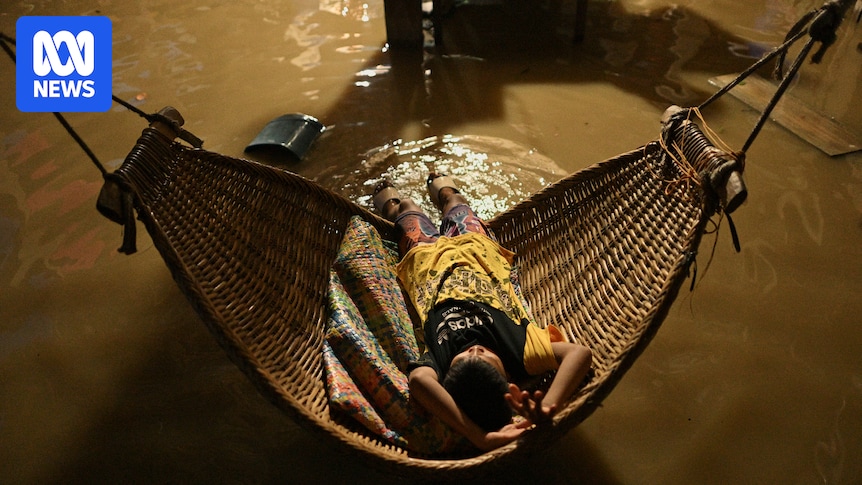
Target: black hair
{"type": "Point", "coordinates": [478, 389]}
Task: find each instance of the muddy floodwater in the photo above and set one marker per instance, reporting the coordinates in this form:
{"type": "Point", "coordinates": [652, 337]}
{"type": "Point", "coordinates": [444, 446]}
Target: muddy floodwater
{"type": "Point", "coordinates": [108, 376]}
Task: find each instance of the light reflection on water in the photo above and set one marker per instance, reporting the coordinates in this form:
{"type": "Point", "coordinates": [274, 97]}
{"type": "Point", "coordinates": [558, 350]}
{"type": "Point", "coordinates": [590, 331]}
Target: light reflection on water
{"type": "Point", "coordinates": [494, 174]}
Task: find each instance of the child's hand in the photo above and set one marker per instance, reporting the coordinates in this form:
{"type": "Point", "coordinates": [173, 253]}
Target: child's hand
{"type": "Point", "coordinates": [527, 405]}
{"type": "Point", "coordinates": [530, 407]}
{"type": "Point", "coordinates": [502, 437]}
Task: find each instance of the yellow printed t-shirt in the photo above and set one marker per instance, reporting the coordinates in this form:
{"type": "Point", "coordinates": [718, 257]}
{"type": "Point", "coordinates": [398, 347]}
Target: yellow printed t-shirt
{"type": "Point", "coordinates": [471, 267]}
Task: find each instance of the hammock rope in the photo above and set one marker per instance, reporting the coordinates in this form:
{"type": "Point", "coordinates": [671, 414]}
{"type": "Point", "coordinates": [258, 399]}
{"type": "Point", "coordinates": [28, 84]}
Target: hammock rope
{"type": "Point", "coordinates": [820, 25]}
{"type": "Point", "coordinates": [602, 254]}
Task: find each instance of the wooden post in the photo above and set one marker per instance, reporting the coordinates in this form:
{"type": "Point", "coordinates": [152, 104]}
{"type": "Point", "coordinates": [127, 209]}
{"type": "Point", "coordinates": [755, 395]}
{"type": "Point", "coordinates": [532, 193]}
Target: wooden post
{"type": "Point", "coordinates": [403, 22]}
{"type": "Point", "coordinates": [580, 20]}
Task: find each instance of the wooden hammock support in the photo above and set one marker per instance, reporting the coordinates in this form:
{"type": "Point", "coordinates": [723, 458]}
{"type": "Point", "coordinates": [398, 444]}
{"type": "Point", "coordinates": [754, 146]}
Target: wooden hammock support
{"type": "Point", "coordinates": [602, 254]}
{"type": "Point", "coordinates": [404, 21]}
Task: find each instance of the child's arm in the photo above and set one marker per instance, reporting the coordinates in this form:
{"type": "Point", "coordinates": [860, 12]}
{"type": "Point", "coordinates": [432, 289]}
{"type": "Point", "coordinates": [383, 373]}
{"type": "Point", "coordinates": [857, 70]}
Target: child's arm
{"type": "Point", "coordinates": [425, 387]}
{"type": "Point", "coordinates": [574, 362]}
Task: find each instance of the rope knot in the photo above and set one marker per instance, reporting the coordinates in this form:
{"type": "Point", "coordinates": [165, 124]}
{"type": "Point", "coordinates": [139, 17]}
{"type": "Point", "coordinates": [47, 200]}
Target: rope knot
{"type": "Point", "coordinates": [824, 28]}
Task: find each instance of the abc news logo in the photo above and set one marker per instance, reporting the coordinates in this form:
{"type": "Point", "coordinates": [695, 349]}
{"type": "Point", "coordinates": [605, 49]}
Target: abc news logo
{"type": "Point", "coordinates": [46, 59]}
{"type": "Point", "coordinates": [64, 64]}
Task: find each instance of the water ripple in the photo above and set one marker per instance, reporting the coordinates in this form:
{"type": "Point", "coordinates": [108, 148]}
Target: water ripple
{"type": "Point", "coordinates": [492, 173]}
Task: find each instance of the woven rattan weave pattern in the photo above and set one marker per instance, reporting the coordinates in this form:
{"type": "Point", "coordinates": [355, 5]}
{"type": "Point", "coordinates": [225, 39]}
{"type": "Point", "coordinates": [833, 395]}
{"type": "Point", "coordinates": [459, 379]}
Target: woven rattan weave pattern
{"type": "Point", "coordinates": [601, 253]}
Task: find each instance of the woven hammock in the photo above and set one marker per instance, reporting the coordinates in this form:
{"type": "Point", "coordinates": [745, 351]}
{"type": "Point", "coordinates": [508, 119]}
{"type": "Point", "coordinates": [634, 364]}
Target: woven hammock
{"type": "Point", "coordinates": [602, 255]}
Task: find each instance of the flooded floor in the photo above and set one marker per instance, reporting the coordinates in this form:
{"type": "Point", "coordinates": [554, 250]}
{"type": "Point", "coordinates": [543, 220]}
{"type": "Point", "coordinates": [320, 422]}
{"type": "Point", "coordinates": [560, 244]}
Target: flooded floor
{"type": "Point", "coordinates": [108, 376]}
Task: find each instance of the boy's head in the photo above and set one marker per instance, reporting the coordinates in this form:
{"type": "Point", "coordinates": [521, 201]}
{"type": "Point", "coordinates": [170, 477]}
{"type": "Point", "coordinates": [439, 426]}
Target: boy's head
{"type": "Point", "coordinates": [478, 385]}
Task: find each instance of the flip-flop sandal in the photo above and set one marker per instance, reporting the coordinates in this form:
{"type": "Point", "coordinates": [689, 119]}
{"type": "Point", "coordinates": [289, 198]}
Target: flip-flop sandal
{"type": "Point", "coordinates": [384, 194]}
{"type": "Point", "coordinates": [436, 184]}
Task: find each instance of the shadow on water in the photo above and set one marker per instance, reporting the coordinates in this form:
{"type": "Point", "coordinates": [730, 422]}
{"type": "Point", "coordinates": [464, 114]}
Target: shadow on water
{"type": "Point", "coordinates": [486, 49]}
{"type": "Point", "coordinates": [489, 49]}
{"type": "Point", "coordinates": [157, 427]}
{"type": "Point", "coordinates": [182, 413]}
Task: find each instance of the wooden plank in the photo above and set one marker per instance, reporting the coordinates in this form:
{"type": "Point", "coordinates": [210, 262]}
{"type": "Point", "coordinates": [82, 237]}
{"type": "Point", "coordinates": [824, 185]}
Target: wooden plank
{"type": "Point", "coordinates": [791, 113]}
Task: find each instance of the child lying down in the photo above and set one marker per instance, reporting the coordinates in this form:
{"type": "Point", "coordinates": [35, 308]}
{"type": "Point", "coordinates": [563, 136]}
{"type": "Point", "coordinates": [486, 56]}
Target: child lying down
{"type": "Point", "coordinates": [479, 339]}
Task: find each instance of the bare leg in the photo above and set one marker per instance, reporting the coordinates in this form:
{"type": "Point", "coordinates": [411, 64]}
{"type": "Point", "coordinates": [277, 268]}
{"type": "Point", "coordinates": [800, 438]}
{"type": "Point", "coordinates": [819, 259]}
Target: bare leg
{"type": "Point", "coordinates": [412, 225]}
{"type": "Point", "coordinates": [458, 217]}
{"type": "Point", "coordinates": [448, 197]}
{"type": "Point", "coordinates": [389, 204]}
{"type": "Point", "coordinates": [394, 208]}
